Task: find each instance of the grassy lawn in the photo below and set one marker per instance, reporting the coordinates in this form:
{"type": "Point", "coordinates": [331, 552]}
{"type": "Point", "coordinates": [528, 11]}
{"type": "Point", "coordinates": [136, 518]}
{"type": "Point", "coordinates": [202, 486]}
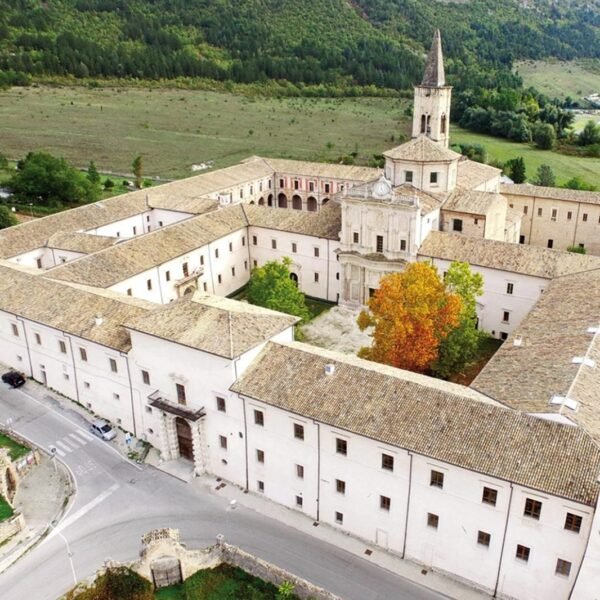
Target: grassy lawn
{"type": "Point", "coordinates": [173, 129]}
{"type": "Point", "coordinates": [559, 79]}
{"type": "Point", "coordinates": [487, 349]}
{"type": "Point", "coordinates": [564, 167]}
{"type": "Point", "coordinates": [6, 510]}
{"type": "Point", "coordinates": [15, 450]}
{"type": "Point", "coordinates": [221, 583]}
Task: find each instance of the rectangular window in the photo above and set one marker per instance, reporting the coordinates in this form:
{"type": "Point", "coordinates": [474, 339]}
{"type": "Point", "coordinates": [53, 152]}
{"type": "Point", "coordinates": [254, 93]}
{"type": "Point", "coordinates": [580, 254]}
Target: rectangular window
{"type": "Point", "coordinates": [403, 245]}
{"type": "Point", "coordinates": [233, 271]}
{"type": "Point", "coordinates": [254, 240]}
{"type": "Point", "coordinates": [296, 184]}
{"type": "Point", "coordinates": [569, 215]}
{"type": "Point", "coordinates": [299, 471]}
{"type": "Point", "coordinates": [340, 486]}
{"type": "Point", "coordinates": [216, 253]}
{"type": "Point", "coordinates": [311, 186]}
{"type": "Point", "coordinates": [525, 210]}
{"type": "Point", "coordinates": [433, 520]}
{"type": "Point", "coordinates": [341, 446]}
{"type": "Point", "coordinates": [339, 518]}
{"type": "Point", "coordinates": [298, 431]}
{"type": "Point", "coordinates": [260, 456]}
{"type": "Point", "coordinates": [316, 252]}
{"type": "Point", "coordinates": [563, 567]}
{"type": "Point", "coordinates": [221, 404]}
{"type": "Point", "coordinates": [503, 335]}
{"type": "Point", "coordinates": [38, 339]}
{"type": "Point", "coordinates": [539, 212]}
{"type": "Point", "coordinates": [522, 552]}
{"type": "Point", "coordinates": [259, 418]}
{"type": "Point", "coordinates": [230, 246]}
{"type": "Point", "coordinates": [83, 354]}
{"type": "Point", "coordinates": [245, 265]}
{"type": "Point", "coordinates": [243, 240]}
{"type": "Point", "coordinates": [38, 262]}
{"type": "Point", "coordinates": [223, 442]}
{"type": "Point", "coordinates": [180, 393]}
{"type": "Point", "coordinates": [408, 176]}
{"type": "Point", "coordinates": [149, 284]}
{"type": "Point", "coordinates": [282, 183]}
{"type": "Point", "coordinates": [533, 508]}
{"type": "Point", "coordinates": [355, 237]}
{"type": "Point", "coordinates": [584, 217]}
{"type": "Point", "coordinates": [505, 316]}
{"type": "Point", "coordinates": [554, 214]}
{"type": "Point", "coordinates": [62, 346]}
{"type": "Point", "coordinates": [573, 522]}
{"type": "Point", "coordinates": [294, 247]}
{"type": "Point", "coordinates": [299, 501]}
{"type": "Point", "coordinates": [433, 177]}
{"type": "Point", "coordinates": [185, 269]}
{"type": "Point", "coordinates": [145, 377]}
{"type": "Point", "coordinates": [274, 244]}
{"type": "Point", "coordinates": [436, 479]}
{"type": "Point", "coordinates": [113, 365]}
{"type": "Point", "coordinates": [205, 286]}
{"type": "Point", "coordinates": [327, 188]}
{"type": "Point", "coordinates": [385, 502]}
{"type": "Point", "coordinates": [316, 278]}
{"type": "Point", "coordinates": [260, 485]}
{"type": "Point", "coordinates": [483, 538]}
{"type": "Point", "coordinates": [15, 330]}
{"type": "Point", "coordinates": [167, 275]}
{"type": "Point", "coordinates": [129, 292]}
{"type": "Point", "coordinates": [387, 462]}
{"type": "Point", "coordinates": [219, 279]}
{"type": "Point", "coordinates": [457, 225]}
{"type": "Point", "coordinates": [510, 288]}
{"type": "Point", "coordinates": [550, 243]}
{"type": "Point", "coordinates": [379, 243]}
{"type": "Point", "coordinates": [490, 496]}
{"type": "Point", "coordinates": [521, 239]}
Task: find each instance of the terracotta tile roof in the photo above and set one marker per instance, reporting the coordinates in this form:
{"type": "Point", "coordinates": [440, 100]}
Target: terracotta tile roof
{"type": "Point", "coordinates": [85, 243]}
{"type": "Point", "coordinates": [68, 308]}
{"type": "Point", "coordinates": [316, 169]}
{"type": "Point", "coordinates": [515, 258]}
{"type": "Point", "coordinates": [472, 174]}
{"type": "Point", "coordinates": [527, 375]}
{"type": "Point", "coordinates": [444, 423]}
{"type": "Point", "coordinates": [474, 202]}
{"type": "Point", "coordinates": [422, 149]}
{"type": "Point", "coordinates": [115, 264]}
{"type": "Point", "coordinates": [527, 189]}
{"type": "Point", "coordinates": [327, 223]}
{"type": "Point", "coordinates": [213, 324]}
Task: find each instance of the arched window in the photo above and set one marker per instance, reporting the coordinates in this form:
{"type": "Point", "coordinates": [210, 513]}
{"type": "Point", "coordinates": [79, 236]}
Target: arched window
{"type": "Point", "coordinates": [270, 200]}
{"type": "Point", "coordinates": [311, 204]}
{"type": "Point", "coordinates": [423, 123]}
{"type": "Point", "coordinates": [324, 201]}
{"type": "Point", "coordinates": [282, 200]}
{"type": "Point", "coordinates": [294, 278]}
{"type": "Point", "coordinates": [443, 124]}
{"type": "Point", "coordinates": [261, 201]}
{"type": "Point", "coordinates": [296, 202]}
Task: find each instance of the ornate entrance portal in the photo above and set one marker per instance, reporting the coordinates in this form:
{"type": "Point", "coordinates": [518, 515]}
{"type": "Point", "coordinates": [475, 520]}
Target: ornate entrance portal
{"type": "Point", "coordinates": [184, 438]}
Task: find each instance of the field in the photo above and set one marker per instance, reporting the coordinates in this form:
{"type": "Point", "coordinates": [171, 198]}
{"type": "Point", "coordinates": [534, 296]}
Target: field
{"type": "Point", "coordinates": [173, 129]}
{"type": "Point", "coordinates": [564, 167]}
{"type": "Point", "coordinates": [559, 79]}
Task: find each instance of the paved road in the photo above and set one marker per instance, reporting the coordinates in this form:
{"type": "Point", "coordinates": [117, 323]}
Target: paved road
{"type": "Point", "coordinates": [117, 502]}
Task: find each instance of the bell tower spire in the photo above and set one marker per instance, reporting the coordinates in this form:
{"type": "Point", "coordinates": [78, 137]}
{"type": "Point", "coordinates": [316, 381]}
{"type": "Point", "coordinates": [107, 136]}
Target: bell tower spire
{"type": "Point", "coordinates": [431, 116]}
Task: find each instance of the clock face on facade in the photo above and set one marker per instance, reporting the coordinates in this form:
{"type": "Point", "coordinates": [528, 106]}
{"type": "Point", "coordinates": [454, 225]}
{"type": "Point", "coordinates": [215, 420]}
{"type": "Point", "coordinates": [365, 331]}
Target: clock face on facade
{"type": "Point", "coordinates": [381, 189]}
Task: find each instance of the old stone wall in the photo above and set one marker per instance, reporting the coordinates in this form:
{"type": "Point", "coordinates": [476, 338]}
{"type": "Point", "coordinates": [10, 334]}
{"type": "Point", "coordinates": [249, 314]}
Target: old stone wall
{"type": "Point", "coordinates": [11, 527]}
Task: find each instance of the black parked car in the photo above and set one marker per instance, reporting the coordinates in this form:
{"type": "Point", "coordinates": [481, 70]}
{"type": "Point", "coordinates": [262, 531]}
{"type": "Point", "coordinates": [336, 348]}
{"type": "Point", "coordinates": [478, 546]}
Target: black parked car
{"type": "Point", "coordinates": [13, 378]}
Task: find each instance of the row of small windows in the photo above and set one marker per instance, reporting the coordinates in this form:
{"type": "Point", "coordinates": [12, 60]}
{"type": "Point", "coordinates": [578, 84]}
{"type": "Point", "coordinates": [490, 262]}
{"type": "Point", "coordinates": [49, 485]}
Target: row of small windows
{"type": "Point", "coordinates": [297, 184]}
{"type": "Point", "coordinates": [554, 214]}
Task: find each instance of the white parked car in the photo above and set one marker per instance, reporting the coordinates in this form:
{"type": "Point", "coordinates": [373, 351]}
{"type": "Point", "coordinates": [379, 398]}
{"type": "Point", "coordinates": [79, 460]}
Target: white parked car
{"type": "Point", "coordinates": [103, 430]}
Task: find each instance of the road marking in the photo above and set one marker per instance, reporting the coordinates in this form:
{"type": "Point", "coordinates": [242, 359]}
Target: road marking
{"type": "Point", "coordinates": [84, 435]}
{"type": "Point", "coordinates": [63, 445]}
{"type": "Point", "coordinates": [58, 451]}
{"type": "Point", "coordinates": [75, 440]}
{"type": "Point", "coordinates": [84, 510]}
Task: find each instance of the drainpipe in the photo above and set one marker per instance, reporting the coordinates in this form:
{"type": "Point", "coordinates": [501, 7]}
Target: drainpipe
{"type": "Point", "coordinates": [318, 470]}
{"type": "Point", "coordinates": [22, 321]}
{"type": "Point", "coordinates": [407, 503]}
{"type": "Point", "coordinates": [245, 438]}
{"type": "Point", "coordinates": [160, 292]}
{"type": "Point", "coordinates": [74, 368]}
{"type": "Point", "coordinates": [503, 541]}
{"type": "Point", "coordinates": [130, 393]}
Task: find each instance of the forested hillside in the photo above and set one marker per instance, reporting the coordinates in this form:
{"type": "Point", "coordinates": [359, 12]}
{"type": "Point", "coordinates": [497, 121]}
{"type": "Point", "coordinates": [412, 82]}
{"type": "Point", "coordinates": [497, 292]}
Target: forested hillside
{"type": "Point", "coordinates": [334, 42]}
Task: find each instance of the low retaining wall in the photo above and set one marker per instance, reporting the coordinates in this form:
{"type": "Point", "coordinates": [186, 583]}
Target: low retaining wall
{"type": "Point", "coordinates": [11, 527]}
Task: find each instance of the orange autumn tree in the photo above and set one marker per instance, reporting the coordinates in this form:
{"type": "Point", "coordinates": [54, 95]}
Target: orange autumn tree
{"type": "Point", "coordinates": [411, 313]}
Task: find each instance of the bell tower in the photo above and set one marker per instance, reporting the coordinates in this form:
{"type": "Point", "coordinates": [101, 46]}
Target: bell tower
{"type": "Point", "coordinates": [431, 116]}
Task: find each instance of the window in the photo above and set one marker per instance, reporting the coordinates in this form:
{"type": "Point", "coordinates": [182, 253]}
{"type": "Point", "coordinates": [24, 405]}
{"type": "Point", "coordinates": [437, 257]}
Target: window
{"type": "Point", "coordinates": [38, 262]}
{"type": "Point", "coordinates": [167, 275]}
{"type": "Point", "coordinates": [116, 396]}
{"type": "Point", "coordinates": [379, 243]}
{"type": "Point", "coordinates": [299, 471]}
{"type": "Point", "coordinates": [260, 456]}
{"type": "Point", "coordinates": [316, 278]}
{"type": "Point", "coordinates": [550, 243]}
{"type": "Point", "coordinates": [15, 330]}
{"type": "Point", "coordinates": [180, 393]}
{"type": "Point", "coordinates": [533, 508]}
{"type": "Point", "coordinates": [274, 244]}
{"type": "Point", "coordinates": [149, 284]}
{"type": "Point", "coordinates": [311, 186]}
{"type": "Point", "coordinates": [294, 247]}
{"type": "Point", "coordinates": [505, 316]}
{"type": "Point", "coordinates": [316, 252]}
{"type": "Point", "coordinates": [113, 365]}
{"type": "Point", "coordinates": [298, 431]}
{"type": "Point", "coordinates": [254, 240]}
{"type": "Point", "coordinates": [355, 237]}
{"type": "Point", "coordinates": [230, 246]}
{"type": "Point", "coordinates": [260, 485]}
{"type": "Point", "coordinates": [233, 271]}
{"type": "Point", "coordinates": [521, 239]}
{"type": "Point", "coordinates": [483, 538]}
{"type": "Point", "coordinates": [216, 253]}
{"type": "Point", "coordinates": [185, 269]}
{"type": "Point", "coordinates": [503, 335]}
{"type": "Point", "coordinates": [522, 552]}
{"type": "Point", "coordinates": [433, 520]}
{"type": "Point", "coordinates": [296, 184]}
{"type": "Point", "coordinates": [569, 215]}
{"type": "Point", "coordinates": [219, 279]}
{"type": "Point", "coordinates": [581, 245]}
{"type": "Point", "coordinates": [62, 346]}
{"type": "Point", "coordinates": [339, 518]}
{"type": "Point", "coordinates": [457, 225]}
{"type": "Point", "coordinates": [385, 503]}
{"type": "Point", "coordinates": [327, 188]}
{"type": "Point", "coordinates": [436, 479]}
{"type": "Point", "coordinates": [510, 288]}
{"type": "Point", "coordinates": [490, 496]}
{"type": "Point", "coordinates": [129, 292]}
{"type": "Point", "coordinates": [86, 385]}
{"type": "Point", "coordinates": [573, 522]}
{"type": "Point", "coordinates": [408, 176]}
{"type": "Point", "coordinates": [255, 263]}
{"type": "Point", "coordinates": [433, 177]}
{"type": "Point", "coordinates": [340, 486]}
{"type": "Point", "coordinates": [402, 245]}
{"type": "Point", "coordinates": [259, 418]}
{"type": "Point", "coordinates": [223, 442]}
{"type": "Point", "coordinates": [584, 218]}
{"type": "Point", "coordinates": [243, 240]}
{"type": "Point", "coordinates": [525, 210]}
{"type": "Point", "coordinates": [563, 567]}
{"type": "Point", "coordinates": [387, 462]}
{"type": "Point", "coordinates": [83, 354]}
{"type": "Point", "coordinates": [221, 404]}
{"type": "Point", "coordinates": [299, 501]}
{"type": "Point", "coordinates": [554, 214]}
{"type": "Point", "coordinates": [341, 446]}
{"type": "Point", "coordinates": [539, 212]}
{"type": "Point", "coordinates": [145, 377]}
{"type": "Point", "coordinates": [205, 286]}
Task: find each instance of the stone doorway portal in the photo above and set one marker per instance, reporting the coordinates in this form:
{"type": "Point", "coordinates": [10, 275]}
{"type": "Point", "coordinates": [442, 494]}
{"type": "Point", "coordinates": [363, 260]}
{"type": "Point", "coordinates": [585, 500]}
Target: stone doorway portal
{"type": "Point", "coordinates": [184, 438]}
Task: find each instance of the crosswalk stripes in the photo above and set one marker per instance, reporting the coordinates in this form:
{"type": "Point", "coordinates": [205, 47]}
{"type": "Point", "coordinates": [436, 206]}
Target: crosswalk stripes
{"type": "Point", "coordinates": [70, 442]}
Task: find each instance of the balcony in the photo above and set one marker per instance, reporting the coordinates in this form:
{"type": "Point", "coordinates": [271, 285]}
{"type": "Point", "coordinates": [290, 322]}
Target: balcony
{"type": "Point", "coordinates": [158, 400]}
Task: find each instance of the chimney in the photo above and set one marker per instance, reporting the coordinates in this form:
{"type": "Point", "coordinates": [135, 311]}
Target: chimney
{"type": "Point", "coordinates": [329, 369]}
{"type": "Point", "coordinates": [98, 320]}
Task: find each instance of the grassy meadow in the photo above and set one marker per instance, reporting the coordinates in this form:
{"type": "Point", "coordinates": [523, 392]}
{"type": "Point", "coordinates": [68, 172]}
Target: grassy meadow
{"type": "Point", "coordinates": [564, 167]}
{"type": "Point", "coordinates": [173, 129]}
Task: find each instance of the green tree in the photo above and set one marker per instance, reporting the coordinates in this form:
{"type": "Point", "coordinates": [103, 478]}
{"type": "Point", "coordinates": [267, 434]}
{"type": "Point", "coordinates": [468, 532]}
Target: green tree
{"type": "Point", "coordinates": [544, 136]}
{"type": "Point", "coordinates": [137, 166]}
{"type": "Point", "coordinates": [92, 174]}
{"type": "Point", "coordinates": [462, 344]}
{"type": "Point", "coordinates": [272, 287]}
{"type": "Point", "coordinates": [516, 169]}
{"type": "Point", "coordinates": [545, 176]}
{"type": "Point", "coordinates": [7, 219]}
{"type": "Point", "coordinates": [577, 183]}
{"type": "Point", "coordinates": [50, 181]}
{"type": "Point", "coordinates": [589, 135]}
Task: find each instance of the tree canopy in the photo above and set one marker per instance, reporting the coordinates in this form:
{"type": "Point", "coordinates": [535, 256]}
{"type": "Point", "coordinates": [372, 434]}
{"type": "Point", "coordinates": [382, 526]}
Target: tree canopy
{"type": "Point", "coordinates": [7, 219]}
{"type": "Point", "coordinates": [411, 313]}
{"type": "Point", "coordinates": [545, 176]}
{"type": "Point", "coordinates": [270, 286]}
{"type": "Point", "coordinates": [49, 181]}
